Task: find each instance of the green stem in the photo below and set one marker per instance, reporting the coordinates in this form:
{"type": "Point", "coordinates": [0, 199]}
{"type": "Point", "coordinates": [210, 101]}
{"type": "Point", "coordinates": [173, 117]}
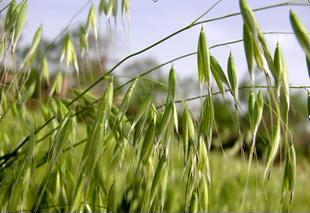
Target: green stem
{"type": "Point", "coordinates": [207, 11]}
{"type": "Point", "coordinates": [240, 88]}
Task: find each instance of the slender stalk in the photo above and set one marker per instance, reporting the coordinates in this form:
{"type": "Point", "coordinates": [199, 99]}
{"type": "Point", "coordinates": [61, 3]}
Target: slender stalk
{"type": "Point", "coordinates": [207, 11]}
{"type": "Point", "coordinates": [5, 7]}
{"type": "Point", "coordinates": [255, 10]}
{"type": "Point", "coordinates": [240, 88]}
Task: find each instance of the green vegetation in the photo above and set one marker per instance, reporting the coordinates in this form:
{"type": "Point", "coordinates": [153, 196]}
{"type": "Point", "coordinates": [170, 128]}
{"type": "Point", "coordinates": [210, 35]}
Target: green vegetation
{"type": "Point", "coordinates": [74, 137]}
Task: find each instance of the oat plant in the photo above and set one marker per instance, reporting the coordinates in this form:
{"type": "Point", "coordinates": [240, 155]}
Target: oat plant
{"type": "Point", "coordinates": [87, 153]}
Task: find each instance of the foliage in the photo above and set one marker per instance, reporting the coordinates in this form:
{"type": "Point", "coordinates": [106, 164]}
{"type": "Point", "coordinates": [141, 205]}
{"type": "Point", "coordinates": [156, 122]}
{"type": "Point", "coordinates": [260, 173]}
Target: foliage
{"type": "Point", "coordinates": [86, 153]}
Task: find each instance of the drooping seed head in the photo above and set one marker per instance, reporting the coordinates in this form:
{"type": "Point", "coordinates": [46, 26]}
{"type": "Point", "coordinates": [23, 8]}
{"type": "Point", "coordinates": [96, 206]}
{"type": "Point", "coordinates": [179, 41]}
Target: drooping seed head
{"type": "Point", "coordinates": [232, 76]}
{"type": "Point", "coordinates": [249, 51]}
{"type": "Point", "coordinates": [203, 59]}
{"type": "Point", "coordinates": [218, 75]}
{"type": "Point", "coordinates": [301, 33]}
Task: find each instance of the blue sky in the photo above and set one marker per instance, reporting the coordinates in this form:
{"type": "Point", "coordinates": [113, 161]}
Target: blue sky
{"type": "Point", "coordinates": [151, 21]}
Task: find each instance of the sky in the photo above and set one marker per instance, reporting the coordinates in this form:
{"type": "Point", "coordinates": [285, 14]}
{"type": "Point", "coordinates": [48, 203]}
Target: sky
{"type": "Point", "coordinates": [150, 21]}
